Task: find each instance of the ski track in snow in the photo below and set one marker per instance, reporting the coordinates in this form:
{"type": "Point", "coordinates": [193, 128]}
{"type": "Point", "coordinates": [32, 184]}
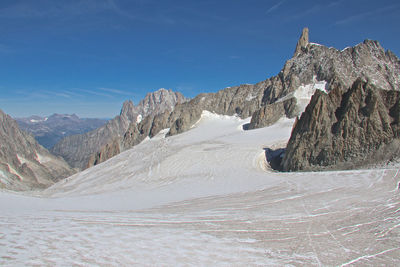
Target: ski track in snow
{"type": "Point", "coordinates": [205, 197]}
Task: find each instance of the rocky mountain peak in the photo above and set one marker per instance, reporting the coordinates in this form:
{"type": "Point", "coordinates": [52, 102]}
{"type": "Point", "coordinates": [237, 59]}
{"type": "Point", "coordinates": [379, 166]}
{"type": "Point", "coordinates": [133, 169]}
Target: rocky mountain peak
{"type": "Point", "coordinates": [158, 101]}
{"type": "Point", "coordinates": [302, 42]}
{"type": "Point", "coordinates": [128, 109]}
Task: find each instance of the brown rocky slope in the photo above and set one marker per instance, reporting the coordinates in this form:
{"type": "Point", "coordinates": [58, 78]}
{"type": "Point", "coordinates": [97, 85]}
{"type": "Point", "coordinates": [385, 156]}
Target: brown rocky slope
{"type": "Point", "coordinates": [24, 164]}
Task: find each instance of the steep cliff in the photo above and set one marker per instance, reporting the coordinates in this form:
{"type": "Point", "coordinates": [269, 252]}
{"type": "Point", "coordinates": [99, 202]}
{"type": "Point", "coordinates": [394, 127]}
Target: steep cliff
{"type": "Point", "coordinates": [346, 129]}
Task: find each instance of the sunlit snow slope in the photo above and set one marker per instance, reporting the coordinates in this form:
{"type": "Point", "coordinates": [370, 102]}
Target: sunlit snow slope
{"type": "Point", "coordinates": [206, 197]}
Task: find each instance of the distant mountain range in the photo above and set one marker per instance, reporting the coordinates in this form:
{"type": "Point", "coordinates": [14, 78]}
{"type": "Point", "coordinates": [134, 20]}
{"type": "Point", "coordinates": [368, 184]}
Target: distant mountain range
{"type": "Point", "coordinates": [49, 130]}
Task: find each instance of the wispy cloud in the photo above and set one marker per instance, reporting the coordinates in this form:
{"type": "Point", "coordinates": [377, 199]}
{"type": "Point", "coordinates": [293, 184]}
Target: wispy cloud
{"type": "Point", "coordinates": [59, 9]}
{"type": "Point", "coordinates": [114, 91]}
{"type": "Point", "coordinates": [92, 92]}
{"type": "Point", "coordinates": [335, 3]}
{"type": "Point", "coordinates": [43, 94]}
{"type": "Point", "coordinates": [73, 93]}
{"type": "Point", "coordinates": [64, 95]}
{"type": "Point", "coordinates": [361, 16]}
{"type": "Point", "coordinates": [275, 7]}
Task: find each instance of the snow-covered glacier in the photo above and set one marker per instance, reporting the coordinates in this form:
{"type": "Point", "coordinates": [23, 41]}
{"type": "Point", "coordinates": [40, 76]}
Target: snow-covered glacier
{"type": "Point", "coordinates": [205, 197]}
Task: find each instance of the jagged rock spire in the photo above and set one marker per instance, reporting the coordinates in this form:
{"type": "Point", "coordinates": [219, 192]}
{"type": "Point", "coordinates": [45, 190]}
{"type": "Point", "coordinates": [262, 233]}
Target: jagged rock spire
{"type": "Point", "coordinates": [303, 41]}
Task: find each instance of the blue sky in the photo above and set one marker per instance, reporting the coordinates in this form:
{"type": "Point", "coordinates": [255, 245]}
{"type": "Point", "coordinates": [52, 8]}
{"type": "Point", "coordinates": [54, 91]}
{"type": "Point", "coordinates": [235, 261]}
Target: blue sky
{"type": "Point", "coordinates": [88, 56]}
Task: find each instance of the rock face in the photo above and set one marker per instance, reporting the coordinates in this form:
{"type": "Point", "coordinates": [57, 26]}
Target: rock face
{"type": "Point", "coordinates": [271, 113]}
{"type": "Point", "coordinates": [49, 130]}
{"type": "Point", "coordinates": [78, 149]}
{"type": "Point", "coordinates": [346, 129]}
{"type": "Point", "coordinates": [24, 164]}
{"type": "Point", "coordinates": [159, 101]}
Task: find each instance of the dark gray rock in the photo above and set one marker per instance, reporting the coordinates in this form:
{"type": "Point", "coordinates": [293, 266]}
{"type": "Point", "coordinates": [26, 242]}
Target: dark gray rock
{"type": "Point", "coordinates": [346, 129]}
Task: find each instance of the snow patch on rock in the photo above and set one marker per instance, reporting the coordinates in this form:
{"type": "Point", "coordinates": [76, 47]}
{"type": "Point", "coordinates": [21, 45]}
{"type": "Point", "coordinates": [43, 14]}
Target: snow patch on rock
{"type": "Point", "coordinates": [250, 97]}
{"type": "Point", "coordinates": [304, 93]}
{"type": "Point", "coordinates": [139, 118]}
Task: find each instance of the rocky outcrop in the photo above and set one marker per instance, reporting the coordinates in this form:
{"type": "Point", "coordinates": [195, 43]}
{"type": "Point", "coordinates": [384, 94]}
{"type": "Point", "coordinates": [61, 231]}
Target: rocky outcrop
{"type": "Point", "coordinates": [346, 129]}
{"type": "Point", "coordinates": [81, 151]}
{"type": "Point", "coordinates": [302, 42]}
{"type": "Point", "coordinates": [271, 113]}
{"type": "Point", "coordinates": [24, 164]}
{"type": "Point", "coordinates": [109, 150]}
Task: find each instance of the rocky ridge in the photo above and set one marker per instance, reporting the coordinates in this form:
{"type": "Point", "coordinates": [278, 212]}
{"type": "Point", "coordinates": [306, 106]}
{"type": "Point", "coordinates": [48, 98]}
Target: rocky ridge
{"type": "Point", "coordinates": [242, 100]}
{"type": "Point", "coordinates": [77, 149]}
{"type": "Point", "coordinates": [313, 67]}
{"type": "Point", "coordinates": [346, 129]}
{"type": "Point", "coordinates": [24, 164]}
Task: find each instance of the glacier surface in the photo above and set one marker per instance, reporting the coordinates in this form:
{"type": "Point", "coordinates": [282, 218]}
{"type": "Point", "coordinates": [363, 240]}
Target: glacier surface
{"type": "Point", "coordinates": [205, 197]}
